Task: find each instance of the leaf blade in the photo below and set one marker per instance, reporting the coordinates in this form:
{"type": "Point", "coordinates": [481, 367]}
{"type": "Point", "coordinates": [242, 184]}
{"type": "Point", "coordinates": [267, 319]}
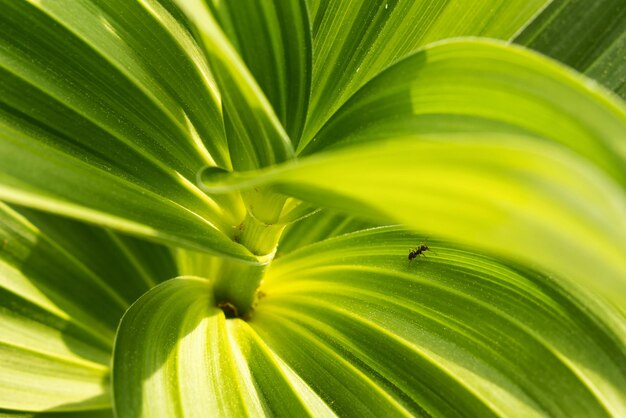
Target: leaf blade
{"type": "Point", "coordinates": [353, 41]}
{"type": "Point", "coordinates": [357, 295]}
{"type": "Point", "coordinates": [475, 85]}
{"type": "Point", "coordinates": [60, 303]}
{"type": "Point", "coordinates": [115, 112]}
{"type": "Point", "coordinates": [588, 37]}
{"type": "Point", "coordinates": [473, 308]}
{"type": "Point", "coordinates": [255, 135]}
{"type": "Point", "coordinates": [500, 194]}
{"type": "Point", "coordinates": [274, 42]}
{"type": "Point", "coordinates": [106, 200]}
{"type": "Point", "coordinates": [236, 362]}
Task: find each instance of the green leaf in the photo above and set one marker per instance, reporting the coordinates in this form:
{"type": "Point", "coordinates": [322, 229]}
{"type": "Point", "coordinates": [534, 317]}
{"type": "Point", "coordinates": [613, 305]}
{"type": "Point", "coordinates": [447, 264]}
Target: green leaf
{"type": "Point", "coordinates": [318, 227]}
{"type": "Point", "coordinates": [517, 197]}
{"type": "Point", "coordinates": [255, 135]}
{"type": "Point", "coordinates": [113, 80]}
{"type": "Point", "coordinates": [33, 261]}
{"type": "Point", "coordinates": [63, 288]}
{"type": "Point", "coordinates": [347, 327]}
{"type": "Point", "coordinates": [588, 36]}
{"type": "Point", "coordinates": [152, 333]}
{"type": "Point", "coordinates": [484, 86]}
{"type": "Point", "coordinates": [176, 356]}
{"type": "Point", "coordinates": [104, 136]}
{"type": "Point", "coordinates": [170, 55]}
{"type": "Point", "coordinates": [40, 176]}
{"type": "Point", "coordinates": [107, 413]}
{"type": "Point", "coordinates": [138, 265]}
{"type": "Point", "coordinates": [452, 333]}
{"type": "Point", "coordinates": [274, 41]}
{"type": "Point", "coordinates": [108, 109]}
{"type": "Point", "coordinates": [354, 40]}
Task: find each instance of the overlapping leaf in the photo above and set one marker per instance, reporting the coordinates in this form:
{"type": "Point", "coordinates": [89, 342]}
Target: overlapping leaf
{"type": "Point", "coordinates": [521, 196]}
{"type": "Point", "coordinates": [274, 40]}
{"type": "Point", "coordinates": [484, 87]}
{"type": "Point", "coordinates": [96, 125]}
{"type": "Point", "coordinates": [354, 40]}
{"type": "Point", "coordinates": [318, 227]}
{"type": "Point", "coordinates": [108, 109]}
{"type": "Point", "coordinates": [177, 356]}
{"type": "Point", "coordinates": [63, 288]}
{"type": "Point", "coordinates": [255, 135]}
{"type": "Point", "coordinates": [510, 195]}
{"type": "Point", "coordinates": [347, 327]}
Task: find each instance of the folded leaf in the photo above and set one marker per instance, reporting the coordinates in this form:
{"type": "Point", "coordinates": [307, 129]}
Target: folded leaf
{"type": "Point", "coordinates": [354, 40]}
{"type": "Point", "coordinates": [255, 135]}
{"type": "Point", "coordinates": [452, 333]}
{"type": "Point", "coordinates": [347, 327]}
{"type": "Point", "coordinates": [484, 86]}
{"type": "Point", "coordinates": [514, 196]}
{"type": "Point", "coordinates": [112, 134]}
{"type": "Point", "coordinates": [105, 77]}
{"type": "Point", "coordinates": [177, 356]}
{"type": "Point", "coordinates": [274, 40]}
{"type": "Point", "coordinates": [39, 176]}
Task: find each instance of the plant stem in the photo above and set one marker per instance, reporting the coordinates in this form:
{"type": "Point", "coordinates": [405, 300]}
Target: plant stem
{"type": "Point", "coordinates": [237, 286]}
{"type": "Point", "coordinates": [238, 283]}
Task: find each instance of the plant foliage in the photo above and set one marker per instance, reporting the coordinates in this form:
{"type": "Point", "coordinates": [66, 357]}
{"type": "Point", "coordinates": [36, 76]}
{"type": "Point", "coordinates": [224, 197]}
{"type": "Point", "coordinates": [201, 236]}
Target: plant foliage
{"type": "Point", "coordinates": [207, 208]}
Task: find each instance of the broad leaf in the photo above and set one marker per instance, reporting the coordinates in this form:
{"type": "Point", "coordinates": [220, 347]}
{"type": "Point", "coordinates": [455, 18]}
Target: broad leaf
{"type": "Point", "coordinates": [63, 288]}
{"type": "Point", "coordinates": [529, 200]}
{"type": "Point", "coordinates": [110, 135]}
{"type": "Point", "coordinates": [39, 176]}
{"type": "Point", "coordinates": [101, 78]}
{"type": "Point", "coordinates": [453, 333]}
{"type": "Point", "coordinates": [347, 327]}
{"type": "Point", "coordinates": [354, 40]}
{"type": "Point", "coordinates": [484, 86]}
{"type": "Point", "coordinates": [177, 356]}
{"type": "Point", "coordinates": [108, 110]}
{"type": "Point", "coordinates": [590, 36]}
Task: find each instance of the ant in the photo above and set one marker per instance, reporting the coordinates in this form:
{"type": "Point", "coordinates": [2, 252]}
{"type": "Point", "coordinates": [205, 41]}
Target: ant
{"type": "Point", "coordinates": [419, 250]}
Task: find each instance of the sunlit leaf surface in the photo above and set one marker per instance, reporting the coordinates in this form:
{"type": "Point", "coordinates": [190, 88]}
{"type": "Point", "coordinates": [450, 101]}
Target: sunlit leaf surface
{"type": "Point", "coordinates": [63, 288]}
{"type": "Point", "coordinates": [483, 87]}
{"type": "Point", "coordinates": [504, 194]}
{"type": "Point", "coordinates": [255, 135]}
{"type": "Point", "coordinates": [274, 40]}
{"type": "Point", "coordinates": [210, 125]}
{"type": "Point", "coordinates": [528, 197]}
{"type": "Point", "coordinates": [349, 327]}
{"type": "Point", "coordinates": [95, 128]}
{"type": "Point", "coordinates": [355, 40]}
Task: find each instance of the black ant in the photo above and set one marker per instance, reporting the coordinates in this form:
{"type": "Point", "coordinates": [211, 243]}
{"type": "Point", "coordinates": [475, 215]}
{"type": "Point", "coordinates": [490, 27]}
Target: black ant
{"type": "Point", "coordinates": [419, 250]}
